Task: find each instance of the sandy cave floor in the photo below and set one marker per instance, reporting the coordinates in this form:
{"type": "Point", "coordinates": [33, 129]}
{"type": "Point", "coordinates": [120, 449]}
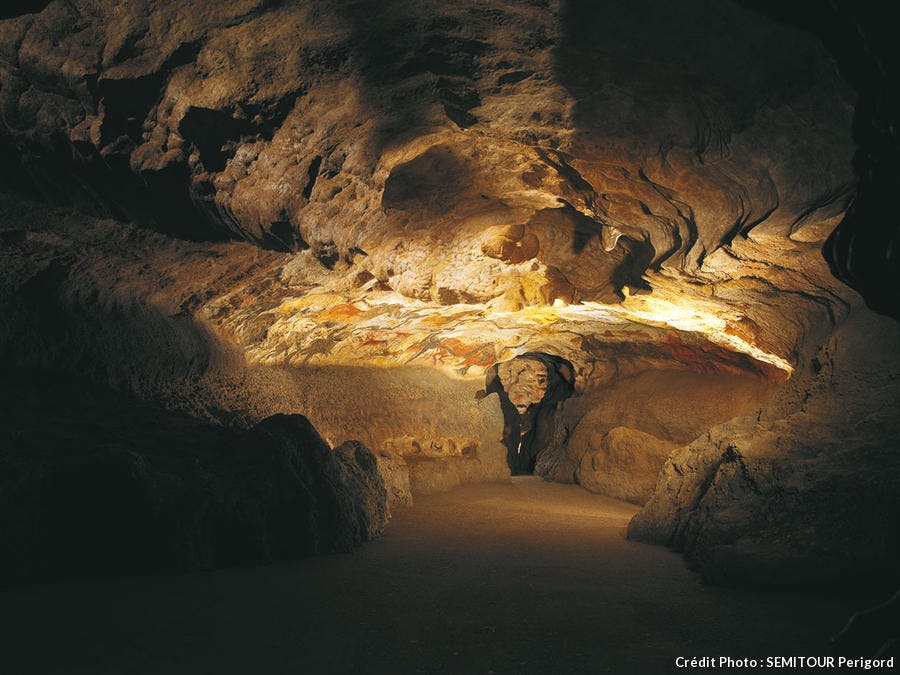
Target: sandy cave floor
{"type": "Point", "coordinates": [528, 577]}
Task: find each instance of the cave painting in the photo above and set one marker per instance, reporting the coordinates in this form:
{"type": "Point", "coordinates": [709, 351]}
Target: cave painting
{"type": "Point", "coordinates": [532, 388]}
{"type": "Point", "coordinates": [525, 382]}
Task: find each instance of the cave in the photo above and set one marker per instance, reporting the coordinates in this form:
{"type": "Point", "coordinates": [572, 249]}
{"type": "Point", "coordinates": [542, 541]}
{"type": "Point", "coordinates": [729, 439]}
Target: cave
{"type": "Point", "coordinates": [492, 335]}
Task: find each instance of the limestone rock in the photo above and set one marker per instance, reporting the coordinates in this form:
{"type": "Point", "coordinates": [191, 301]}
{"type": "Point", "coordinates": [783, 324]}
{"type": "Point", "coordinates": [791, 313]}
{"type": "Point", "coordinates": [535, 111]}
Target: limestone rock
{"type": "Point", "coordinates": [803, 491]}
{"type": "Point", "coordinates": [524, 381]}
{"type": "Point", "coordinates": [511, 244]}
{"type": "Point", "coordinates": [428, 475]}
{"type": "Point", "coordinates": [395, 473]}
{"type": "Point", "coordinates": [440, 188]}
{"type": "Point", "coordinates": [99, 485]}
{"type": "Point", "coordinates": [419, 466]}
{"type": "Point", "coordinates": [483, 141]}
{"type": "Point", "coordinates": [362, 491]}
{"type": "Point", "coordinates": [624, 463]}
{"type": "Point", "coordinates": [670, 404]}
{"type": "Point", "coordinates": [412, 448]}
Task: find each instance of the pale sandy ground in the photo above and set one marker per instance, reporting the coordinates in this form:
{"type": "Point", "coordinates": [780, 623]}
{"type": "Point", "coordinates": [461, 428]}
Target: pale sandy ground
{"type": "Point", "coordinates": [529, 577]}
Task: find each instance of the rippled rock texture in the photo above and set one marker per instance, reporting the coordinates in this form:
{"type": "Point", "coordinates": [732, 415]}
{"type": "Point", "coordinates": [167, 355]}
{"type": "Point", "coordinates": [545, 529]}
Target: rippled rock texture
{"type": "Point", "coordinates": [362, 211]}
{"type": "Point", "coordinates": [233, 334]}
{"type": "Point", "coordinates": [456, 152]}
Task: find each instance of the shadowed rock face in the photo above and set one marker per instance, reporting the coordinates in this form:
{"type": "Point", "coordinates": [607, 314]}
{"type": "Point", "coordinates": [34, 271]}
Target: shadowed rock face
{"type": "Point", "coordinates": [94, 483]}
{"type": "Point", "coordinates": [363, 208]}
{"type": "Point", "coordinates": [802, 491]}
{"type": "Point", "coordinates": [864, 249]}
{"type": "Point", "coordinates": [517, 152]}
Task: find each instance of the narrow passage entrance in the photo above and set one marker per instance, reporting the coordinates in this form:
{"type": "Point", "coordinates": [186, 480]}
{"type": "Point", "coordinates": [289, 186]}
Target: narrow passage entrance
{"type": "Point", "coordinates": [531, 388]}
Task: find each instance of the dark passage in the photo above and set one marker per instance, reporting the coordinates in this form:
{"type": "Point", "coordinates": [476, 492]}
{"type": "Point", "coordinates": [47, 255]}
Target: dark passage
{"type": "Point", "coordinates": [532, 388]}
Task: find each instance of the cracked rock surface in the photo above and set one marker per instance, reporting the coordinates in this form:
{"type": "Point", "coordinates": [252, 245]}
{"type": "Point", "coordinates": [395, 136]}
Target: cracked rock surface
{"type": "Point", "coordinates": [358, 211]}
{"type": "Point", "coordinates": [457, 152]}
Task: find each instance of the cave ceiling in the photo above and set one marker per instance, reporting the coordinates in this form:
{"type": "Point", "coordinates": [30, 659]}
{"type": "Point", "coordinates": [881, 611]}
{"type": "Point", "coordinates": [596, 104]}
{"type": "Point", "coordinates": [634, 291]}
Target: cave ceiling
{"type": "Point", "coordinates": [442, 184]}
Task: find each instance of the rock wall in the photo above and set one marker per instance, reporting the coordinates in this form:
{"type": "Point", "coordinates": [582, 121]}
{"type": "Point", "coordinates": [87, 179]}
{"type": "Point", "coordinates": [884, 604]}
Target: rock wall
{"type": "Point", "coordinates": [802, 491]}
{"type": "Point", "coordinates": [622, 463]}
{"type": "Point", "coordinates": [641, 190]}
{"type": "Point", "coordinates": [863, 249]}
{"type": "Point", "coordinates": [74, 306]}
{"type": "Point", "coordinates": [618, 433]}
{"type": "Point", "coordinates": [94, 483]}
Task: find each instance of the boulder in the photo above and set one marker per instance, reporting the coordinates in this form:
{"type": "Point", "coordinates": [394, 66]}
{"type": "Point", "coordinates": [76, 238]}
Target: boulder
{"type": "Point", "coordinates": [131, 488]}
{"type": "Point", "coordinates": [623, 463]}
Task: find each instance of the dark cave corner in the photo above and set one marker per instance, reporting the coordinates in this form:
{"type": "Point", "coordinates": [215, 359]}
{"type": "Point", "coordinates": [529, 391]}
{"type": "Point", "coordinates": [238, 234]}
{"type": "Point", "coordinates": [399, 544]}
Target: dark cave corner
{"type": "Point", "coordinates": [862, 251]}
{"type": "Point", "coordinates": [532, 388]}
{"type": "Point", "coordinates": [188, 495]}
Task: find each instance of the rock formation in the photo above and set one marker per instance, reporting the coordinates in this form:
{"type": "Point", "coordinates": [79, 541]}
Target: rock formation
{"type": "Point", "coordinates": [239, 209]}
{"type": "Point", "coordinates": [802, 491]}
{"type": "Point", "coordinates": [92, 484]}
{"type": "Point", "coordinates": [532, 389]}
{"type": "Point", "coordinates": [621, 463]}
